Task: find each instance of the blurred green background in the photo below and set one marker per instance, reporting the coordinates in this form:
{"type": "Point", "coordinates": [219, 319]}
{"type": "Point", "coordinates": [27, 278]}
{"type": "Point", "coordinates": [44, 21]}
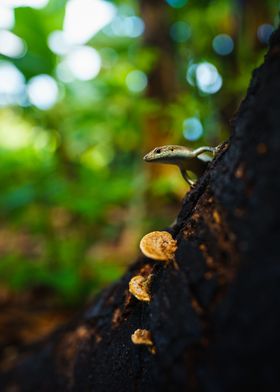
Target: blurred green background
{"type": "Point", "coordinates": [86, 88]}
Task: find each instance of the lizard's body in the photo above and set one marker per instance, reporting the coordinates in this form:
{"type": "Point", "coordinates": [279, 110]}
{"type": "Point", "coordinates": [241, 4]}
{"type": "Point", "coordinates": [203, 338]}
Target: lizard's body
{"type": "Point", "coordinates": [186, 159]}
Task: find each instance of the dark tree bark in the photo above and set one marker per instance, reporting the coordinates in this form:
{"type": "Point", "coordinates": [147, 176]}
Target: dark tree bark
{"type": "Point", "coordinates": [215, 319]}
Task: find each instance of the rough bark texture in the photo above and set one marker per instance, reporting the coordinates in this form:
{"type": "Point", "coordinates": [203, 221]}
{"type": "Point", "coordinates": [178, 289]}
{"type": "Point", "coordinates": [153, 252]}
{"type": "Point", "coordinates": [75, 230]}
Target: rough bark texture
{"type": "Point", "coordinates": [215, 319]}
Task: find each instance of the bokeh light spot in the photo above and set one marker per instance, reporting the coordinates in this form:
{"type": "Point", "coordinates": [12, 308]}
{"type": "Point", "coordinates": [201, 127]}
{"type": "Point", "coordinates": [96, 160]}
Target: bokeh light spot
{"type": "Point", "coordinates": [42, 91]}
{"type": "Point", "coordinates": [136, 81]}
{"type": "Point", "coordinates": [134, 26]}
{"type": "Point", "coordinates": [125, 26]}
{"type": "Point", "coordinates": [19, 137]}
{"type": "Point", "coordinates": [180, 31]}
{"type": "Point", "coordinates": [177, 3]}
{"type": "Point", "coordinates": [64, 73]}
{"type": "Point", "coordinates": [191, 76]}
{"type": "Point", "coordinates": [26, 3]}
{"type": "Point", "coordinates": [12, 84]}
{"type": "Point", "coordinates": [57, 42]}
{"type": "Point", "coordinates": [192, 128]}
{"type": "Point", "coordinates": [7, 17]}
{"type": "Point", "coordinates": [223, 44]}
{"type": "Point", "coordinates": [264, 32]}
{"type": "Point", "coordinates": [84, 18]}
{"type": "Point", "coordinates": [208, 79]}
{"type": "Point", "coordinates": [11, 45]}
{"type": "Point", "coordinates": [84, 63]}
{"type": "Point", "coordinates": [97, 157]}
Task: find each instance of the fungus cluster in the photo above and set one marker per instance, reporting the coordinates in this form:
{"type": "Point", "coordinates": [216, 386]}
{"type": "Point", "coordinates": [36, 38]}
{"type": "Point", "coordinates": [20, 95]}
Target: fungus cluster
{"type": "Point", "coordinates": [158, 245]}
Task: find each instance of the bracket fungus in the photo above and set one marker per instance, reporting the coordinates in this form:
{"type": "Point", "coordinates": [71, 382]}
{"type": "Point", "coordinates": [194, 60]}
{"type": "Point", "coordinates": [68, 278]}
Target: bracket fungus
{"type": "Point", "coordinates": [139, 287]}
{"type": "Point", "coordinates": [142, 336]}
{"type": "Point", "coordinates": [158, 245]}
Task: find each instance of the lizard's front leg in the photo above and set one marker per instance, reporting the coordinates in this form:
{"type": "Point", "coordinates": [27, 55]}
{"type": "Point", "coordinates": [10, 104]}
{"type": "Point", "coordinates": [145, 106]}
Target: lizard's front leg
{"type": "Point", "coordinates": [186, 177]}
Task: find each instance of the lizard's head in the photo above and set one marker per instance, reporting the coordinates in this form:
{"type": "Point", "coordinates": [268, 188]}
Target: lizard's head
{"type": "Point", "coordinates": [164, 154]}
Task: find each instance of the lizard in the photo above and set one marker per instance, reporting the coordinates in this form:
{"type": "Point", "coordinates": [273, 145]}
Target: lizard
{"type": "Point", "coordinates": [195, 161]}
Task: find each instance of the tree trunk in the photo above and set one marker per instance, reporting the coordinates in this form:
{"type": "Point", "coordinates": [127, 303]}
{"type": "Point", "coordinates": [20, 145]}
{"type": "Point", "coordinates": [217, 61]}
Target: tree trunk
{"type": "Point", "coordinates": [214, 318]}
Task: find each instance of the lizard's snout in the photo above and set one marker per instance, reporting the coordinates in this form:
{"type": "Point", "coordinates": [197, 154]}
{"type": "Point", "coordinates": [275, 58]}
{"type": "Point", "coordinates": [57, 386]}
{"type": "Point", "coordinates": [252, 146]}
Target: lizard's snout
{"type": "Point", "coordinates": [146, 157]}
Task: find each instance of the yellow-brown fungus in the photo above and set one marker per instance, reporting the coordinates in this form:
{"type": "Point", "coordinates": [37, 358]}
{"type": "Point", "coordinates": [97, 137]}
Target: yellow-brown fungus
{"type": "Point", "coordinates": [158, 245]}
{"type": "Point", "coordinates": [142, 336]}
{"type": "Point", "coordinates": [139, 287]}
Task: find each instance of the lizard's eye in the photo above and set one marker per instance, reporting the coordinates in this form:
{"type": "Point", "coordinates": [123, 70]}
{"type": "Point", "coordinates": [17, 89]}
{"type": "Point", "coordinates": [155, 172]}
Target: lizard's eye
{"type": "Point", "coordinates": [158, 151]}
{"type": "Point", "coordinates": [172, 149]}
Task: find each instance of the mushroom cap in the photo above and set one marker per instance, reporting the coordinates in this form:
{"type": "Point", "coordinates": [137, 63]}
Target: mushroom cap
{"type": "Point", "coordinates": [158, 245]}
{"type": "Point", "coordinates": [142, 336]}
{"type": "Point", "coordinates": [139, 287]}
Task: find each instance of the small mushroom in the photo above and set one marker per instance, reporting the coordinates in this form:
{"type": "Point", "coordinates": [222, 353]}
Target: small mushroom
{"type": "Point", "coordinates": [139, 287]}
{"type": "Point", "coordinates": [158, 245]}
{"type": "Point", "coordinates": [142, 336]}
